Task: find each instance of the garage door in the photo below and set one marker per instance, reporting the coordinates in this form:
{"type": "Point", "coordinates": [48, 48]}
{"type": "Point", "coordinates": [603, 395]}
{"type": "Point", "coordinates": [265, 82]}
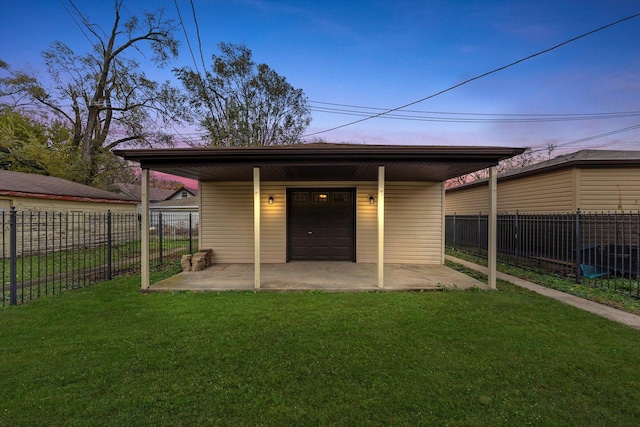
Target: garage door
{"type": "Point", "coordinates": [321, 224]}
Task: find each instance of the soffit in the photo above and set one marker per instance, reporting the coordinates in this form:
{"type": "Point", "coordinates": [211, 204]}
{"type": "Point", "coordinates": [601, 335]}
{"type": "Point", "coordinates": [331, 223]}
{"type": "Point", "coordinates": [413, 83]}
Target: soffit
{"type": "Point", "coordinates": [320, 162]}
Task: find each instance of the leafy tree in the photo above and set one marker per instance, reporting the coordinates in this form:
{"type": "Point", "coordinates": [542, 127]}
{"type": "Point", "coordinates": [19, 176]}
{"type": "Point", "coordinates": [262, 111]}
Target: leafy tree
{"type": "Point", "coordinates": [103, 97]}
{"type": "Point", "coordinates": [240, 103]}
{"type": "Point", "coordinates": [22, 143]}
{"type": "Point", "coordinates": [32, 145]}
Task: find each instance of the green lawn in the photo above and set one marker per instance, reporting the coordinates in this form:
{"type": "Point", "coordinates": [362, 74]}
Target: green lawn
{"type": "Point", "coordinates": [110, 355]}
{"type": "Point", "coordinates": [588, 289]}
{"type": "Point", "coordinates": [55, 272]}
{"type": "Point", "coordinates": [124, 255]}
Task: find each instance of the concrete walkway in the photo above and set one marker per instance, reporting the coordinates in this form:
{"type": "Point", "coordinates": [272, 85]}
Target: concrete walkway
{"type": "Point", "coordinates": [629, 319]}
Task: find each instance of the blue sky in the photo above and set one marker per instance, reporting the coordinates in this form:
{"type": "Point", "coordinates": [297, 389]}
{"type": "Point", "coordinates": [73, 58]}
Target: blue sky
{"type": "Point", "coordinates": [384, 54]}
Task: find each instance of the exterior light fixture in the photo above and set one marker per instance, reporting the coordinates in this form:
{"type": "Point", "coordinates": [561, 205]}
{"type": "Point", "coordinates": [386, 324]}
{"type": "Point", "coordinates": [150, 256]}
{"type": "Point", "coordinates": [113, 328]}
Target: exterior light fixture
{"type": "Point", "coordinates": [270, 201]}
{"type": "Point", "coordinates": [372, 200]}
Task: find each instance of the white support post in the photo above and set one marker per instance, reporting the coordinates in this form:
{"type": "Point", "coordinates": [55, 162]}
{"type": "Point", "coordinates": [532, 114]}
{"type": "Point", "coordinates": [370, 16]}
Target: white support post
{"type": "Point", "coordinates": [443, 214]}
{"type": "Point", "coordinates": [493, 225]}
{"type": "Point", "coordinates": [144, 236]}
{"type": "Point", "coordinates": [256, 226]}
{"type": "Point", "coordinates": [381, 226]}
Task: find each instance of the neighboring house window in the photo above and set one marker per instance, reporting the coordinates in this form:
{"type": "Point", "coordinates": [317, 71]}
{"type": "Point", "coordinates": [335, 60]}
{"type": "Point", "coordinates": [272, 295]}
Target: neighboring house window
{"type": "Point", "coordinates": [185, 195]}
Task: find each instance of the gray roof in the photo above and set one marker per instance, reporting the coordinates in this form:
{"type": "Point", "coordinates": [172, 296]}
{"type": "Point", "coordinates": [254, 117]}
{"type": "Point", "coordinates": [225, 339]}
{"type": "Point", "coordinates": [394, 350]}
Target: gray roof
{"type": "Point", "coordinates": [135, 190]}
{"type": "Point", "coordinates": [155, 194]}
{"type": "Point", "coordinates": [193, 191]}
{"type": "Point", "coordinates": [30, 185]}
{"type": "Point", "coordinates": [592, 158]}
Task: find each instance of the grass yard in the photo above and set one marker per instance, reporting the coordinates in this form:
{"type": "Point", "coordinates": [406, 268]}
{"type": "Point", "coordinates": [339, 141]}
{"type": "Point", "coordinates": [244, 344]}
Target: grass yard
{"type": "Point", "coordinates": [587, 290]}
{"type": "Point", "coordinates": [124, 255]}
{"type": "Point", "coordinates": [110, 355]}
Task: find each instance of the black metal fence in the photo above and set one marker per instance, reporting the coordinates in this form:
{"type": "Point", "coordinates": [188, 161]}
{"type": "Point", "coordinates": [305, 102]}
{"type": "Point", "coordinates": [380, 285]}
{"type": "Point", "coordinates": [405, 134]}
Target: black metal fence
{"type": "Point", "coordinates": [43, 253]}
{"type": "Point", "coordinates": [601, 249]}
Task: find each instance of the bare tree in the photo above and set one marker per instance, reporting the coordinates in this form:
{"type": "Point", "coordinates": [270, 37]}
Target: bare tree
{"type": "Point", "coordinates": [528, 157]}
{"type": "Point", "coordinates": [104, 96]}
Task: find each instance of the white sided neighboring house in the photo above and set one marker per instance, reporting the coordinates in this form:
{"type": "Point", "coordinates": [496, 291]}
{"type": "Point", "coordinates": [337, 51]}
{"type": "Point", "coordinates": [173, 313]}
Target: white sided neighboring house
{"type": "Point", "coordinates": [181, 213]}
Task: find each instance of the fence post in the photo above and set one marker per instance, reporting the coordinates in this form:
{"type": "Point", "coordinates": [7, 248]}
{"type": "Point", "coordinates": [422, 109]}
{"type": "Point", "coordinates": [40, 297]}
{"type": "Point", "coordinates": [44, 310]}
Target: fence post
{"type": "Point", "coordinates": [453, 230]}
{"type": "Point", "coordinates": [160, 237]}
{"type": "Point", "coordinates": [479, 234]}
{"type": "Point", "coordinates": [13, 257]}
{"type": "Point", "coordinates": [517, 237]}
{"type": "Point", "coordinates": [109, 246]}
{"type": "Point", "coordinates": [190, 235]}
{"type": "Point", "coordinates": [578, 247]}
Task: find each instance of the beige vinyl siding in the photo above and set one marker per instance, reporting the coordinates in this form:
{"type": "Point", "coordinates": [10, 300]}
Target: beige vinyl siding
{"type": "Point", "coordinates": [548, 192]}
{"type": "Point", "coordinates": [367, 224]}
{"type": "Point", "coordinates": [468, 201]}
{"type": "Point", "coordinates": [273, 223]}
{"type": "Point", "coordinates": [413, 223]}
{"type": "Point", "coordinates": [443, 221]}
{"type": "Point", "coordinates": [226, 224]}
{"type": "Point", "coordinates": [226, 221]}
{"type": "Point", "coordinates": [610, 189]}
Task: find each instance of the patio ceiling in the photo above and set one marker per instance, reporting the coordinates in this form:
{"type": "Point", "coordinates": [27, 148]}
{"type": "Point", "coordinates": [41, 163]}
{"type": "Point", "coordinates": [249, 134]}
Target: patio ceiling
{"type": "Point", "coordinates": [320, 162]}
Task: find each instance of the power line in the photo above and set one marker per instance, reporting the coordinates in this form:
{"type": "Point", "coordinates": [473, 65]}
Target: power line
{"type": "Point", "coordinates": [589, 138]}
{"type": "Point", "coordinates": [186, 36]}
{"type": "Point", "coordinates": [195, 63]}
{"type": "Point", "coordinates": [414, 115]}
{"type": "Point", "coordinates": [74, 19]}
{"type": "Point", "coordinates": [477, 77]}
{"type": "Point", "coordinates": [195, 20]}
{"type": "Point", "coordinates": [474, 114]}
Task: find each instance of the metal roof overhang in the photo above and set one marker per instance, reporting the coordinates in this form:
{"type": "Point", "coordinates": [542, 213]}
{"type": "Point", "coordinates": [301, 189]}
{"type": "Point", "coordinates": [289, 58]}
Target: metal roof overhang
{"type": "Point", "coordinates": [320, 162]}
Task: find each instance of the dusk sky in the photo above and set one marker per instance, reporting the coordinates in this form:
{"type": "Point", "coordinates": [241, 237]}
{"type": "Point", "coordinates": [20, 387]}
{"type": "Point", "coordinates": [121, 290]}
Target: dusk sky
{"type": "Point", "coordinates": [385, 54]}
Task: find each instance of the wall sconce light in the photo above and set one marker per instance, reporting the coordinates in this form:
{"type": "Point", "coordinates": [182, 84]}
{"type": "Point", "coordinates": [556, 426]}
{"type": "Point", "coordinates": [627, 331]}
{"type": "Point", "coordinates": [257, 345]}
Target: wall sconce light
{"type": "Point", "coordinates": [372, 200]}
{"type": "Point", "coordinates": [270, 201]}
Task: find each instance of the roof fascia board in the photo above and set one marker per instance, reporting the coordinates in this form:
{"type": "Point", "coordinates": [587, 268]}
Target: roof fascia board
{"type": "Point", "coordinates": [62, 197]}
{"type": "Point", "coordinates": [317, 156]}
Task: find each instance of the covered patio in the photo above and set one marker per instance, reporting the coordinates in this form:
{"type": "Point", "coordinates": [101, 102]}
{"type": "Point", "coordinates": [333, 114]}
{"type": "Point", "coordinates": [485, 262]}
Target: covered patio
{"type": "Point", "coordinates": [274, 215]}
{"type": "Point", "coordinates": [318, 276]}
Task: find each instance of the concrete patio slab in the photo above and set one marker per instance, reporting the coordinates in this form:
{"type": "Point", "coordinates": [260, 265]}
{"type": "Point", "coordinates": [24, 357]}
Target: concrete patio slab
{"type": "Point", "coordinates": [324, 276]}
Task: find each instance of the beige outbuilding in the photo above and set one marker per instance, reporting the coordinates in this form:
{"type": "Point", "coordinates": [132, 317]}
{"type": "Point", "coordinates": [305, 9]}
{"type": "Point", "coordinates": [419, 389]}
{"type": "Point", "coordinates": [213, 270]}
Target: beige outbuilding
{"type": "Point", "coordinates": [30, 192]}
{"type": "Point", "coordinates": [589, 180]}
{"type": "Point", "coordinates": [320, 202]}
{"type": "Point", "coordinates": [41, 201]}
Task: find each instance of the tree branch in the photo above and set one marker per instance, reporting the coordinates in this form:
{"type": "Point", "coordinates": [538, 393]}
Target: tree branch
{"type": "Point", "coordinates": [121, 141]}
